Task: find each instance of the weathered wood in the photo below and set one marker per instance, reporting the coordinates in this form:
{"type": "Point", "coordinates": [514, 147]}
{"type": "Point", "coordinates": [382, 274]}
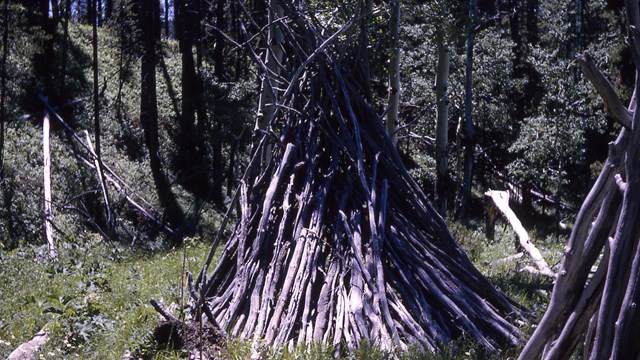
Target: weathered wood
{"type": "Point", "coordinates": [29, 350]}
{"type": "Point", "coordinates": [613, 105]}
{"type": "Point", "coordinates": [335, 242]}
{"type": "Point", "coordinates": [46, 169]}
{"type": "Point", "coordinates": [603, 307]}
{"type": "Point", "coordinates": [100, 176]}
{"type": "Point", "coordinates": [501, 199]}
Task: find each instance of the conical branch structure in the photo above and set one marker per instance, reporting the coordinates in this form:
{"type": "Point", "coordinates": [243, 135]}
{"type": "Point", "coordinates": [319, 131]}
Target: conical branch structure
{"type": "Point", "coordinates": [335, 242]}
{"type": "Point", "coordinates": [600, 308]}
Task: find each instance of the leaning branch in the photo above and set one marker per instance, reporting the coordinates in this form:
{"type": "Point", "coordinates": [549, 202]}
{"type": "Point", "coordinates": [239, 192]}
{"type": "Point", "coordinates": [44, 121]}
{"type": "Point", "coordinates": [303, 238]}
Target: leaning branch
{"type": "Point", "coordinates": [613, 105]}
{"type": "Point", "coordinates": [48, 215]}
{"type": "Point", "coordinates": [99, 174]}
{"type": "Point", "coordinates": [501, 199]}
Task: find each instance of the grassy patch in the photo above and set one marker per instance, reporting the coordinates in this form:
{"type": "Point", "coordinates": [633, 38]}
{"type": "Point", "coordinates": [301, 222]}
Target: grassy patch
{"type": "Point", "coordinates": [95, 302]}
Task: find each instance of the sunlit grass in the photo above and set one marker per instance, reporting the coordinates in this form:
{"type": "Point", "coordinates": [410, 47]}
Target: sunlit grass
{"type": "Point", "coordinates": [95, 301]}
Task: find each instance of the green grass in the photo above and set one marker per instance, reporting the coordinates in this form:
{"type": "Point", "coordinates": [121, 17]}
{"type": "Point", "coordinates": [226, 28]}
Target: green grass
{"type": "Point", "coordinates": [95, 302]}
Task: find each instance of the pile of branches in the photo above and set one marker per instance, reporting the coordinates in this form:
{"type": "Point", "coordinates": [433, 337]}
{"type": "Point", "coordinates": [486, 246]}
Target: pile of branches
{"type": "Point", "coordinates": [601, 307]}
{"type": "Point", "coordinates": [335, 242]}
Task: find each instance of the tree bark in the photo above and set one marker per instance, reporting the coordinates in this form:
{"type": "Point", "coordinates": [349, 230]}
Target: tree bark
{"type": "Point", "coordinates": [394, 70]}
{"type": "Point", "coordinates": [267, 104]}
{"type": "Point", "coordinates": [442, 127]}
{"type": "Point", "coordinates": [501, 200]}
{"type": "Point", "coordinates": [3, 90]}
{"type": "Point", "coordinates": [469, 140]}
{"type": "Point", "coordinates": [194, 173]}
{"type": "Point", "coordinates": [30, 349]}
{"type": "Point", "coordinates": [218, 50]}
{"type": "Point", "coordinates": [97, 128]}
{"type": "Point", "coordinates": [149, 21]}
{"type": "Point", "coordinates": [48, 211]}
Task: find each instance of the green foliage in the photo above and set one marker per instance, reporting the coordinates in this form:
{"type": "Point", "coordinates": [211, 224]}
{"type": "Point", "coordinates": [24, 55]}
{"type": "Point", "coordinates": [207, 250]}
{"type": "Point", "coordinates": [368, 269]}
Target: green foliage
{"type": "Point", "coordinates": [94, 301]}
{"type": "Point", "coordinates": [553, 150]}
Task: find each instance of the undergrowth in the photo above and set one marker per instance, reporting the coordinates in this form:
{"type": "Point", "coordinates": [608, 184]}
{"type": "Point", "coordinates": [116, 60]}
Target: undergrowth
{"type": "Point", "coordinates": [95, 301]}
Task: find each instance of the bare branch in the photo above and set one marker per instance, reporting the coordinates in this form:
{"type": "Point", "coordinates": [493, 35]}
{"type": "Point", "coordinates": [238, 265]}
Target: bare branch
{"type": "Point", "coordinates": [613, 105]}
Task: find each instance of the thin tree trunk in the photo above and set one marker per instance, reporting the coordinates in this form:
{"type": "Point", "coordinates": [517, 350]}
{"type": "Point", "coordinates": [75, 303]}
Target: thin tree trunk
{"type": "Point", "coordinates": [218, 50]}
{"type": "Point", "coordinates": [271, 78]}
{"type": "Point", "coordinates": [91, 9]}
{"type": "Point", "coordinates": [149, 114]}
{"type": "Point", "coordinates": [65, 47]}
{"type": "Point", "coordinates": [3, 91]}
{"type": "Point", "coordinates": [96, 125]}
{"type": "Point", "coordinates": [48, 213]}
{"type": "Point", "coordinates": [394, 71]}
{"type": "Point", "coordinates": [108, 9]}
{"type": "Point", "coordinates": [194, 173]}
{"type": "Point", "coordinates": [469, 134]}
{"type": "Point", "coordinates": [501, 200]}
{"type": "Point", "coordinates": [166, 18]}
{"type": "Point", "coordinates": [442, 127]}
{"type": "Point", "coordinates": [55, 10]}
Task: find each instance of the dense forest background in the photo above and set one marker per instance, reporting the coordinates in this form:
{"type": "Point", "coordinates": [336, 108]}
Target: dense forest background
{"type": "Point", "coordinates": [167, 94]}
{"type": "Point", "coordinates": [537, 125]}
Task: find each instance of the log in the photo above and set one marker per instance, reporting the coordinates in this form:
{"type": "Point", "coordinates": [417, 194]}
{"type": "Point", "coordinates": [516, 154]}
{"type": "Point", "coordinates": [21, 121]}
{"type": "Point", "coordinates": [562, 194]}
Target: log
{"type": "Point", "coordinates": [29, 350]}
{"type": "Point", "coordinates": [109, 175]}
{"type": "Point", "coordinates": [501, 199]}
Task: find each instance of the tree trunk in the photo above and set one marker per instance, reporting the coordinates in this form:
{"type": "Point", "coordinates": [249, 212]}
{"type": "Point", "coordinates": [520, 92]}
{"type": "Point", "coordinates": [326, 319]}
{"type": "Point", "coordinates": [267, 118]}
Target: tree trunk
{"type": "Point", "coordinates": [335, 243]}
{"type": "Point", "coordinates": [108, 9]}
{"type": "Point", "coordinates": [442, 128]}
{"type": "Point", "coordinates": [394, 70]}
{"type": "Point", "coordinates": [3, 90]}
{"type": "Point", "coordinates": [194, 173]}
{"type": "Point", "coordinates": [65, 47]}
{"type": "Point", "coordinates": [149, 15]}
{"type": "Point", "coordinates": [469, 140]}
{"type": "Point", "coordinates": [218, 50]}
{"type": "Point", "coordinates": [501, 200]}
{"type": "Point", "coordinates": [48, 211]}
{"type": "Point", "coordinates": [96, 127]}
{"type": "Point", "coordinates": [271, 75]}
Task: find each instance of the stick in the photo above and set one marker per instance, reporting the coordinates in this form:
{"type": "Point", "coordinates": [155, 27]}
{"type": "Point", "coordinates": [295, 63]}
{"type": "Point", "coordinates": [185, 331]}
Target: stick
{"type": "Point", "coordinates": [501, 199]}
{"type": "Point", "coordinates": [48, 216]}
{"type": "Point", "coordinates": [103, 186]}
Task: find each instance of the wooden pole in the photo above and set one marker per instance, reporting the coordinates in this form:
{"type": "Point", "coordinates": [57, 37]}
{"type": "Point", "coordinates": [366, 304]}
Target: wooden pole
{"type": "Point", "coordinates": [48, 216]}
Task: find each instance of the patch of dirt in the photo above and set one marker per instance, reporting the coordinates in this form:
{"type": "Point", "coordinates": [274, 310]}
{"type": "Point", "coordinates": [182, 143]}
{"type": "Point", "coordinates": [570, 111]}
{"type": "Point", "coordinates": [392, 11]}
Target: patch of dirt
{"type": "Point", "coordinates": [176, 335]}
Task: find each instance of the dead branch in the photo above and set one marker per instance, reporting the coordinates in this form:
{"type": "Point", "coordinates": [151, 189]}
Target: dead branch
{"type": "Point", "coordinates": [501, 199]}
{"type": "Point", "coordinates": [613, 105]}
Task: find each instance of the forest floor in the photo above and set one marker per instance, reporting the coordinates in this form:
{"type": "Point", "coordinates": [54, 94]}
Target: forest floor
{"type": "Point", "coordinates": [95, 301]}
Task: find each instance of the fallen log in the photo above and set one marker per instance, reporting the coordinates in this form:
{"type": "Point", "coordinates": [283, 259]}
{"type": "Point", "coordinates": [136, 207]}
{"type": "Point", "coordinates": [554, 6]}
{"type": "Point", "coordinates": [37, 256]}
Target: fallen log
{"type": "Point", "coordinates": [29, 350]}
{"type": "Point", "coordinates": [501, 200]}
